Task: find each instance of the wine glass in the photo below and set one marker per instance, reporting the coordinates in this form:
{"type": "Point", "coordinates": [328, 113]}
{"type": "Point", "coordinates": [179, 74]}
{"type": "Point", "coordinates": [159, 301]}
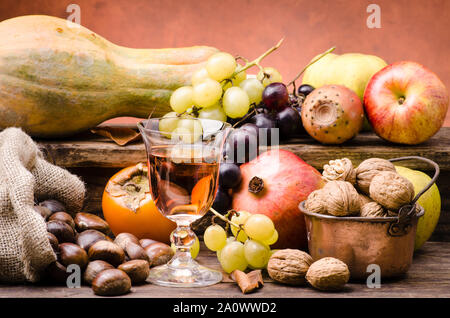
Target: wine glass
{"type": "Point", "coordinates": [183, 166]}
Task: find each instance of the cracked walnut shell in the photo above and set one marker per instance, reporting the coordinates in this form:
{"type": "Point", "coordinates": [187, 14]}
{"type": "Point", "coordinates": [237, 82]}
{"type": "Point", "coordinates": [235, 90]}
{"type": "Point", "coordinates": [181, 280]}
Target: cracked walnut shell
{"type": "Point", "coordinates": [289, 266]}
{"type": "Point", "coordinates": [341, 198]}
{"type": "Point", "coordinates": [391, 190]}
{"type": "Point", "coordinates": [339, 169]}
{"type": "Point", "coordinates": [370, 168]}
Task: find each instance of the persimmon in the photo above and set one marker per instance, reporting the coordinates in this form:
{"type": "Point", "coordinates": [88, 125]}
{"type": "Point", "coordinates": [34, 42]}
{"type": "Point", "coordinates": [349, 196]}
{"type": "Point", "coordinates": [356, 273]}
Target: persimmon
{"type": "Point", "coordinates": [128, 206]}
{"type": "Point", "coordinates": [201, 193]}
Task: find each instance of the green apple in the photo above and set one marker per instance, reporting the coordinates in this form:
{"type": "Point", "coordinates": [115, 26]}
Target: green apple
{"type": "Point", "coordinates": [352, 70]}
{"type": "Point", "coordinates": [430, 201]}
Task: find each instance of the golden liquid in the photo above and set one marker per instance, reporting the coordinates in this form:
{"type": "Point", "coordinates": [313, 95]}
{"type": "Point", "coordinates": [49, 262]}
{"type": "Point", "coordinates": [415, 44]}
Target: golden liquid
{"type": "Point", "coordinates": [183, 180]}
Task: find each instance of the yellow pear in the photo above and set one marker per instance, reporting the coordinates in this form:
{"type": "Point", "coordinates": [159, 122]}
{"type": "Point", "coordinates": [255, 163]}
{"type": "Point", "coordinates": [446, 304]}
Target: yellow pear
{"type": "Point", "coordinates": [430, 201]}
{"type": "Point", "coordinates": [353, 70]}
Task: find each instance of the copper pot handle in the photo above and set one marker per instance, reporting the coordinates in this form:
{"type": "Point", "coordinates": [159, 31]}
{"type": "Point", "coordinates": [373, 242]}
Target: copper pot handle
{"type": "Point", "coordinates": [408, 211]}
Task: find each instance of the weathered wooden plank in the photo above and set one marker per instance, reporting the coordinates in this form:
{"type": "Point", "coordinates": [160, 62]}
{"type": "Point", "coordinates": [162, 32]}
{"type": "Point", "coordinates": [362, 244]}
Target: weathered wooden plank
{"type": "Point", "coordinates": [92, 151]}
{"type": "Point", "coordinates": [429, 276]}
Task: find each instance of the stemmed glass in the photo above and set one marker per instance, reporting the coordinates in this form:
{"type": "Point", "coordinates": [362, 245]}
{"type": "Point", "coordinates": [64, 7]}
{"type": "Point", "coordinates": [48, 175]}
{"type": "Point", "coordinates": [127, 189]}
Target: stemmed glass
{"type": "Point", "coordinates": [183, 167]}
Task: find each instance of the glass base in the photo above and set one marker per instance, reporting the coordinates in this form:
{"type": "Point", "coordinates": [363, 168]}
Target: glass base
{"type": "Point", "coordinates": [195, 276]}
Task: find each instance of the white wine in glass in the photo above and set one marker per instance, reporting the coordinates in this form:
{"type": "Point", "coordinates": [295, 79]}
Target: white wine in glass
{"type": "Point", "coordinates": [183, 175]}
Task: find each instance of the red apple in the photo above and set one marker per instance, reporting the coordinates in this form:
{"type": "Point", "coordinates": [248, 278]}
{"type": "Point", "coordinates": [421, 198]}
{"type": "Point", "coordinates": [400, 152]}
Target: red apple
{"type": "Point", "coordinates": [274, 184]}
{"type": "Point", "coordinates": [406, 103]}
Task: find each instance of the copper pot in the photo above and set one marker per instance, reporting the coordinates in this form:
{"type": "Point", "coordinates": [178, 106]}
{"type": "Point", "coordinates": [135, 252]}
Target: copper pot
{"type": "Point", "coordinates": [361, 241]}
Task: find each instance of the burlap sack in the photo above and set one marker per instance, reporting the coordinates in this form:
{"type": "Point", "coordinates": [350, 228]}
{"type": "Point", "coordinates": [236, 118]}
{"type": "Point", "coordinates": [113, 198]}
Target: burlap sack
{"type": "Point", "coordinates": [25, 176]}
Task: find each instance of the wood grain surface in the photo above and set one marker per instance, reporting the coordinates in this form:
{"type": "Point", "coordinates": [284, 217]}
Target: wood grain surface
{"type": "Point", "coordinates": [429, 276]}
{"type": "Point", "coordinates": [93, 151]}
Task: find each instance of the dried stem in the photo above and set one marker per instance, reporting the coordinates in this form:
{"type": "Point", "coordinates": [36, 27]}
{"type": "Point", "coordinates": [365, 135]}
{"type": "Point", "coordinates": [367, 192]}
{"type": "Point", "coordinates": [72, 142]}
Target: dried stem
{"type": "Point", "coordinates": [257, 60]}
{"type": "Point", "coordinates": [223, 218]}
{"type": "Point", "coordinates": [248, 115]}
{"type": "Point", "coordinates": [311, 63]}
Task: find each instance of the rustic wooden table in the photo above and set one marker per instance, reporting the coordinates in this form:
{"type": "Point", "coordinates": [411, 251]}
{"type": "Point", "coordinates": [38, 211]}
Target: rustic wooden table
{"type": "Point", "coordinates": [95, 159]}
{"type": "Point", "coordinates": [429, 276]}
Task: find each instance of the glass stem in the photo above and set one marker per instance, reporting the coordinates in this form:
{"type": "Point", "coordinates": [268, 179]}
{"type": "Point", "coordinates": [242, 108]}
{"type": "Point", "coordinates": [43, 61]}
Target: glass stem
{"type": "Point", "coordinates": [182, 238]}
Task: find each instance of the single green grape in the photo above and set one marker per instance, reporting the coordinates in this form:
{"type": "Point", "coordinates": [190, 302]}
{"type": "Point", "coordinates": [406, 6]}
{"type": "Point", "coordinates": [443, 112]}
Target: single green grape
{"type": "Point", "coordinates": [273, 239]}
{"type": "Point", "coordinates": [256, 253]}
{"type": "Point", "coordinates": [259, 227]}
{"type": "Point", "coordinates": [215, 237]}
{"type": "Point", "coordinates": [274, 76]}
{"type": "Point", "coordinates": [181, 99]}
{"type": "Point", "coordinates": [221, 66]}
{"type": "Point", "coordinates": [214, 112]}
{"type": "Point", "coordinates": [229, 240]}
{"type": "Point", "coordinates": [235, 102]}
{"type": "Point", "coordinates": [188, 130]}
{"type": "Point", "coordinates": [168, 123]}
{"type": "Point", "coordinates": [199, 76]}
{"type": "Point", "coordinates": [232, 257]}
{"type": "Point", "coordinates": [207, 93]}
{"type": "Point", "coordinates": [254, 90]}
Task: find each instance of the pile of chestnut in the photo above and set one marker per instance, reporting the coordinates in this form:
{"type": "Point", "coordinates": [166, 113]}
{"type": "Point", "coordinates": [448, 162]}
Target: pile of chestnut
{"type": "Point", "coordinates": [109, 266]}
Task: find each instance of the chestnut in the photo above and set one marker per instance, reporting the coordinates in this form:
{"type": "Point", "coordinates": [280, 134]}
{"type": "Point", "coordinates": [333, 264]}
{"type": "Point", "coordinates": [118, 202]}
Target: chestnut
{"type": "Point", "coordinates": [159, 253]}
{"type": "Point", "coordinates": [53, 205]}
{"type": "Point", "coordinates": [135, 251]}
{"type": "Point", "coordinates": [53, 242]}
{"type": "Point", "coordinates": [124, 238]}
{"type": "Point", "coordinates": [70, 253]}
{"type": "Point", "coordinates": [57, 273]}
{"type": "Point", "coordinates": [88, 221]}
{"type": "Point", "coordinates": [137, 270]}
{"type": "Point", "coordinates": [63, 231]}
{"type": "Point", "coordinates": [130, 244]}
{"type": "Point", "coordinates": [89, 237]}
{"type": "Point", "coordinates": [107, 251]}
{"type": "Point", "coordinates": [146, 242]}
{"type": "Point", "coordinates": [111, 282]}
{"type": "Point", "coordinates": [43, 211]}
{"type": "Point", "coordinates": [62, 216]}
{"type": "Point", "coordinates": [93, 269]}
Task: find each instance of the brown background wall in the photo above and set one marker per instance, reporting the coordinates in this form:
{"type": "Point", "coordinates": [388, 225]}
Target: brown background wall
{"type": "Point", "coordinates": [417, 30]}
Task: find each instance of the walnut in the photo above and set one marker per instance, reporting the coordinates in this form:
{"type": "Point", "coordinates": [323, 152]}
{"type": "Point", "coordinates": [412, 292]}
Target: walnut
{"type": "Point", "coordinates": [341, 198]}
{"type": "Point", "coordinates": [391, 190]}
{"type": "Point", "coordinates": [363, 199]}
{"type": "Point", "coordinates": [289, 266]}
{"type": "Point", "coordinates": [368, 169]}
{"type": "Point", "coordinates": [315, 202]}
{"type": "Point", "coordinates": [340, 169]}
{"type": "Point", "coordinates": [328, 274]}
{"type": "Point", "coordinates": [372, 210]}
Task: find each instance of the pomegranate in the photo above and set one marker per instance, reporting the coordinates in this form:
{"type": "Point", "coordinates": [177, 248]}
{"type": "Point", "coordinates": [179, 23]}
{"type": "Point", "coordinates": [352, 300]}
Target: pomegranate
{"type": "Point", "coordinates": [274, 184]}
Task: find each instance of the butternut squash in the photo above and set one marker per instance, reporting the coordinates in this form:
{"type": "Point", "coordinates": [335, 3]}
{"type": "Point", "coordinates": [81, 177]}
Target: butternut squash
{"type": "Point", "coordinates": [58, 78]}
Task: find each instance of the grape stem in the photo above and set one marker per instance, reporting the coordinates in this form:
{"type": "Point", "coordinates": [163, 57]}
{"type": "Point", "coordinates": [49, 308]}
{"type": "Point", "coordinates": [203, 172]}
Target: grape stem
{"type": "Point", "coordinates": [248, 115]}
{"type": "Point", "coordinates": [309, 64]}
{"type": "Point", "coordinates": [257, 60]}
{"type": "Point", "coordinates": [223, 218]}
